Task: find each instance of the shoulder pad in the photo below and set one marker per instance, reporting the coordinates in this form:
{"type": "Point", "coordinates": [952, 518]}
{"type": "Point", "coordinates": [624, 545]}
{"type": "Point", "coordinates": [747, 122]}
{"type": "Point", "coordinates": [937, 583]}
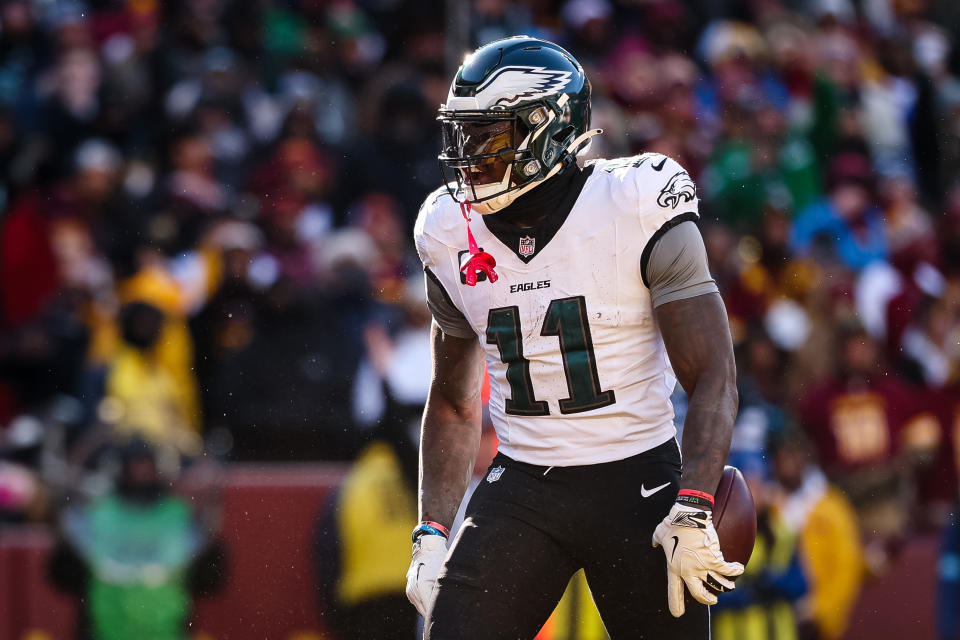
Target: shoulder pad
{"type": "Point", "coordinates": [435, 195]}
{"type": "Point", "coordinates": [438, 220]}
{"type": "Point", "coordinates": [655, 184]}
{"type": "Point", "coordinates": [663, 182]}
{"type": "Point", "coordinates": [624, 164]}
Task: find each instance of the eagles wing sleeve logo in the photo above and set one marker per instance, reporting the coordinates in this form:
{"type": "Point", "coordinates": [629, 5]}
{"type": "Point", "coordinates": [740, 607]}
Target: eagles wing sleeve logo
{"type": "Point", "coordinates": [679, 188]}
{"type": "Point", "coordinates": [510, 85]}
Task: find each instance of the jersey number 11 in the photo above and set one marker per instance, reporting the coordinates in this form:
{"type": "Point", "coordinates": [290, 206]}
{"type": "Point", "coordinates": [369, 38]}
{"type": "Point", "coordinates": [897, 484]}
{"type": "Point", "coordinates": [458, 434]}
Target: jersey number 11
{"type": "Point", "coordinates": [567, 319]}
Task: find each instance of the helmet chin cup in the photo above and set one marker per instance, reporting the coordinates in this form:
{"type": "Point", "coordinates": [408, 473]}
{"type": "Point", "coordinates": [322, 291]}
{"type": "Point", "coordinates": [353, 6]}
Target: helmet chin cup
{"type": "Point", "coordinates": [494, 204]}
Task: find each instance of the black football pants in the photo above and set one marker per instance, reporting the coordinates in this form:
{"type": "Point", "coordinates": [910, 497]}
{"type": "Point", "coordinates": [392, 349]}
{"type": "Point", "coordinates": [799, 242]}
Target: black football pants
{"type": "Point", "coordinates": [529, 531]}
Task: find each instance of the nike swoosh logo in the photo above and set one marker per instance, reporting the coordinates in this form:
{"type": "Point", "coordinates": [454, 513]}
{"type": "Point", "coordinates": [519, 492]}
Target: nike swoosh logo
{"type": "Point", "coordinates": [646, 493]}
{"type": "Point", "coordinates": [658, 167]}
{"type": "Point", "coordinates": [676, 541]}
{"type": "Point", "coordinates": [420, 566]}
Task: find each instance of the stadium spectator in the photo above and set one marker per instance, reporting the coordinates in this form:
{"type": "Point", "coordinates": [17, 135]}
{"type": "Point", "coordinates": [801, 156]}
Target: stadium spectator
{"type": "Point", "coordinates": [22, 492]}
{"type": "Point", "coordinates": [393, 378]}
{"type": "Point", "coordinates": [948, 582]}
{"type": "Point", "coordinates": [140, 388]}
{"type": "Point", "coordinates": [825, 525]}
{"type": "Point", "coordinates": [846, 226]}
{"type": "Point", "coordinates": [361, 568]}
{"type": "Point", "coordinates": [763, 606]}
{"type": "Point", "coordinates": [858, 421]}
{"type": "Point", "coordinates": [137, 557]}
{"type": "Point", "coordinates": [234, 282]}
{"type": "Point", "coordinates": [936, 480]}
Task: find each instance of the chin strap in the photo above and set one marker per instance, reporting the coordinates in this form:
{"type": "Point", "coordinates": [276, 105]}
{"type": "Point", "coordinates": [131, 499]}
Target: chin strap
{"type": "Point", "coordinates": [583, 137]}
{"type": "Point", "coordinates": [478, 260]}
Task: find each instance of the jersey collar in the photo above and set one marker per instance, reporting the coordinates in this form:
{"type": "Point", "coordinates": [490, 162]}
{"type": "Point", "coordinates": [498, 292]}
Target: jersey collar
{"type": "Point", "coordinates": [556, 198]}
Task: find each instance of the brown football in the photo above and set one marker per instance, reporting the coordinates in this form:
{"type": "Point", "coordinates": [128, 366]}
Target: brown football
{"type": "Point", "coordinates": [734, 516]}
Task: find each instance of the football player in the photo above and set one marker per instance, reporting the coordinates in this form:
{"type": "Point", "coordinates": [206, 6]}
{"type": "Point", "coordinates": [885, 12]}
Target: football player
{"type": "Point", "coordinates": [587, 292]}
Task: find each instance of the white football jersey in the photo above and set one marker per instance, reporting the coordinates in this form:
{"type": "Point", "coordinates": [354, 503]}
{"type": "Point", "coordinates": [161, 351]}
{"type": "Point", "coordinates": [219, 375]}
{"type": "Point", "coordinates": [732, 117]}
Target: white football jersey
{"type": "Point", "coordinates": [579, 373]}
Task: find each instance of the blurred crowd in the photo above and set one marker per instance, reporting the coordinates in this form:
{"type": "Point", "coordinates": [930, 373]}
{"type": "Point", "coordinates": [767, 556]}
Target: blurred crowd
{"type": "Point", "coordinates": [206, 210]}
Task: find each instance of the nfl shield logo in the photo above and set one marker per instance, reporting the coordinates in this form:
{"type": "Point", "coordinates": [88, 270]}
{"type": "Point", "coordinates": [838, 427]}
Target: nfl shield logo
{"type": "Point", "coordinates": [495, 474]}
{"type": "Point", "coordinates": [527, 246]}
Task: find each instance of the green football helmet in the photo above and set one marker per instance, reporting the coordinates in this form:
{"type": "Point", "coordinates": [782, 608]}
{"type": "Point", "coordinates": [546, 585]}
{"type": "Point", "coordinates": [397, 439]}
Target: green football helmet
{"type": "Point", "coordinates": [517, 112]}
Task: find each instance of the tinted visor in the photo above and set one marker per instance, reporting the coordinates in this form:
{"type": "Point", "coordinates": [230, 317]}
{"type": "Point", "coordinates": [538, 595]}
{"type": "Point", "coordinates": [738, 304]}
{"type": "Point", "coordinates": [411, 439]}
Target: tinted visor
{"type": "Point", "coordinates": [482, 150]}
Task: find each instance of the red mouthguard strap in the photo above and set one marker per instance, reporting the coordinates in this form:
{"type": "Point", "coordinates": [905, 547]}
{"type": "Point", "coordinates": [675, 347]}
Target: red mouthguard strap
{"type": "Point", "coordinates": [479, 260]}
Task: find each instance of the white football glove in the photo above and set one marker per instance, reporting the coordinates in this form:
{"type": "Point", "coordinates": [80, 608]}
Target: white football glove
{"type": "Point", "coordinates": [429, 552]}
{"type": "Point", "coordinates": [690, 543]}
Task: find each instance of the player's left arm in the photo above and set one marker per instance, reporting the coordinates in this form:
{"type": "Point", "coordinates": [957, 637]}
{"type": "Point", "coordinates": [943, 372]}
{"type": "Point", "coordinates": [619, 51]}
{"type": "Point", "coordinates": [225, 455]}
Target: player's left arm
{"type": "Point", "coordinates": [693, 323]}
{"type": "Point", "coordinates": [697, 337]}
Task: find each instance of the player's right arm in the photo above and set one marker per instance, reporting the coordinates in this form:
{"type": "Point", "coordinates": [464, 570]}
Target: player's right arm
{"type": "Point", "coordinates": [449, 441]}
{"type": "Point", "coordinates": [450, 436]}
{"type": "Point", "coordinates": [450, 432]}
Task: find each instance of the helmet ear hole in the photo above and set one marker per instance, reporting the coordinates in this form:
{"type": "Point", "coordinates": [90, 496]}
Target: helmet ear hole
{"type": "Point", "coordinates": [563, 134]}
{"type": "Point", "coordinates": [522, 130]}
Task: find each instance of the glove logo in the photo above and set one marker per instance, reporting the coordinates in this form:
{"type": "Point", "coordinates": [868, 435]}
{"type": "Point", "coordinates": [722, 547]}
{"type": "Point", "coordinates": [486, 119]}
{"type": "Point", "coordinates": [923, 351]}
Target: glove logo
{"type": "Point", "coordinates": [695, 520]}
{"type": "Point", "coordinates": [495, 474]}
{"type": "Point", "coordinates": [700, 566]}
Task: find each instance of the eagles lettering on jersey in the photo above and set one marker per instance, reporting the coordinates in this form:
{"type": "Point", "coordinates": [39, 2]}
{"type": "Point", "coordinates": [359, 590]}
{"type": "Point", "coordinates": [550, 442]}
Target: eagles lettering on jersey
{"type": "Point", "coordinates": [578, 369]}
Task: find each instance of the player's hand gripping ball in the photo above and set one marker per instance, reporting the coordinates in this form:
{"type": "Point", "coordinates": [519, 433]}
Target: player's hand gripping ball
{"type": "Point", "coordinates": [735, 516]}
{"type": "Point", "coordinates": [695, 555]}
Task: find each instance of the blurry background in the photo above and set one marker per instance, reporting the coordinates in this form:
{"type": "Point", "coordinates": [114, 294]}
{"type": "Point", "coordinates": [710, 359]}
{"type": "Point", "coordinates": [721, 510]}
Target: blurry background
{"type": "Point", "coordinates": [213, 348]}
